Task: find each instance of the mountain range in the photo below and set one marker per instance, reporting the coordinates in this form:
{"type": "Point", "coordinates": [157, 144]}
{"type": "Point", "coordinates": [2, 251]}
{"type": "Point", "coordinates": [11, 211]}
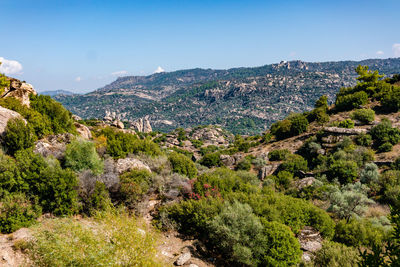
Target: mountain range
{"type": "Point", "coordinates": [242, 100]}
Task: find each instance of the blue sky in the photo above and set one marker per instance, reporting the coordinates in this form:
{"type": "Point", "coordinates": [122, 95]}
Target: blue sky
{"type": "Point", "coordinates": [81, 45]}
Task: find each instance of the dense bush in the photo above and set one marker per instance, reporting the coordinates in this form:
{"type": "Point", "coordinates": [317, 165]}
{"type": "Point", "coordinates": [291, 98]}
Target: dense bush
{"type": "Point", "coordinates": [10, 178]}
{"type": "Point", "coordinates": [351, 101]}
{"type": "Point", "coordinates": [358, 232]}
{"type": "Point", "coordinates": [16, 211]}
{"type": "Point", "coordinates": [346, 124]}
{"type": "Point", "coordinates": [391, 99]}
{"type": "Point", "coordinates": [278, 154]}
{"type": "Point", "coordinates": [365, 116]}
{"type": "Point", "coordinates": [384, 134]}
{"type": "Point", "coordinates": [182, 165]}
{"type": "Point", "coordinates": [18, 135]}
{"type": "Point", "coordinates": [98, 200]}
{"type": "Point", "coordinates": [363, 140]}
{"type": "Point", "coordinates": [370, 174]}
{"type": "Point", "coordinates": [211, 160]}
{"type": "Point", "coordinates": [283, 179]}
{"type": "Point", "coordinates": [81, 155]}
{"type": "Point", "coordinates": [345, 171]}
{"type": "Point", "coordinates": [60, 118]}
{"type": "Point", "coordinates": [120, 144]}
{"type": "Point", "coordinates": [336, 255]}
{"type": "Point", "coordinates": [294, 163]}
{"type": "Point", "coordinates": [294, 125]}
{"type": "Point", "coordinates": [134, 185]}
{"type": "Point", "coordinates": [243, 165]}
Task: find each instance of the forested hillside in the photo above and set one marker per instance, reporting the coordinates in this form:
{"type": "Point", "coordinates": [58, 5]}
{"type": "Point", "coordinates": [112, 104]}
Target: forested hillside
{"type": "Point", "coordinates": [242, 100]}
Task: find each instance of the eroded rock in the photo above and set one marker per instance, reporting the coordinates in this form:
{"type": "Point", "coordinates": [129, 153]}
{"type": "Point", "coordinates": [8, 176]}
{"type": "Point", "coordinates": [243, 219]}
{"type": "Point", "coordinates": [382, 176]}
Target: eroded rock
{"type": "Point", "coordinates": [83, 130]}
{"type": "Point", "coordinates": [5, 116]}
{"type": "Point", "coordinates": [127, 164]}
{"type": "Point", "coordinates": [19, 90]}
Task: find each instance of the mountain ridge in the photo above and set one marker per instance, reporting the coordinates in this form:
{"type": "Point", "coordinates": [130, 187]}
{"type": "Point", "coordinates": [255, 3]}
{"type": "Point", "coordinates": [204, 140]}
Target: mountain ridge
{"type": "Point", "coordinates": [243, 100]}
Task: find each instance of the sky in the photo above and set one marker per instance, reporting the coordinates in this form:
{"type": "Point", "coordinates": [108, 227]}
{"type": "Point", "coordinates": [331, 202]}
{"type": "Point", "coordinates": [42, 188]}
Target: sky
{"type": "Point", "coordinates": [82, 45]}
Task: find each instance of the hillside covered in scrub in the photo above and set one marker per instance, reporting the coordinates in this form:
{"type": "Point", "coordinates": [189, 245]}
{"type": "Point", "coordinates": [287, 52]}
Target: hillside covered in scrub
{"type": "Point", "coordinates": [318, 188]}
{"type": "Point", "coordinates": [241, 100]}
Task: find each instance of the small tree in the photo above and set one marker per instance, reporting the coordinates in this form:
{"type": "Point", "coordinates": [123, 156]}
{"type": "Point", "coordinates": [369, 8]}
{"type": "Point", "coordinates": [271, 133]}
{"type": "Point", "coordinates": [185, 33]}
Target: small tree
{"type": "Point", "coordinates": [365, 116]}
{"type": "Point", "coordinates": [350, 201]}
{"type": "Point", "coordinates": [182, 165]}
{"type": "Point", "coordinates": [18, 135]}
{"type": "Point", "coordinates": [81, 155]}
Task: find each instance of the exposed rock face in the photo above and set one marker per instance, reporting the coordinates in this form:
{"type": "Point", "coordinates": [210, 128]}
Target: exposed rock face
{"type": "Point", "coordinates": [310, 242]}
{"type": "Point", "coordinates": [20, 91]}
{"type": "Point", "coordinates": [142, 125]}
{"type": "Point", "coordinates": [5, 116]}
{"type": "Point", "coordinates": [267, 170]}
{"type": "Point", "coordinates": [124, 165]}
{"type": "Point", "coordinates": [53, 145]}
{"type": "Point", "coordinates": [308, 181]}
{"type": "Point", "coordinates": [113, 119]}
{"type": "Point", "coordinates": [183, 258]}
{"type": "Point", "coordinates": [76, 118]}
{"type": "Point", "coordinates": [212, 135]}
{"type": "Point", "coordinates": [83, 131]}
{"type": "Point", "coordinates": [338, 130]}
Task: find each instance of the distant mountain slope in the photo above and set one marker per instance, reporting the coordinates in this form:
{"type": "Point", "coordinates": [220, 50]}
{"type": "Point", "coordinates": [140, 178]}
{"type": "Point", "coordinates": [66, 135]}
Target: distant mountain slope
{"type": "Point", "coordinates": [56, 93]}
{"type": "Point", "coordinates": [243, 100]}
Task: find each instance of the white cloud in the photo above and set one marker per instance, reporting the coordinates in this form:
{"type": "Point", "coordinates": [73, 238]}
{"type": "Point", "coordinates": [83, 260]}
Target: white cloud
{"type": "Point", "coordinates": [159, 70]}
{"type": "Point", "coordinates": [10, 66]}
{"type": "Point", "coordinates": [396, 49]}
{"type": "Point", "coordinates": [379, 52]}
{"type": "Point", "coordinates": [119, 73]}
{"type": "Point", "coordinates": [78, 79]}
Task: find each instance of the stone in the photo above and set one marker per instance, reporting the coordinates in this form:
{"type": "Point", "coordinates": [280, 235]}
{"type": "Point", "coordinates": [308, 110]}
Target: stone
{"type": "Point", "coordinates": [310, 239]}
{"type": "Point", "coordinates": [302, 183]}
{"type": "Point", "coordinates": [227, 160]}
{"type": "Point", "coordinates": [76, 118]}
{"type": "Point", "coordinates": [83, 130]}
{"type": "Point", "coordinates": [5, 116]}
{"type": "Point", "coordinates": [142, 125]}
{"type": "Point", "coordinates": [183, 258]}
{"type": "Point", "coordinates": [20, 90]}
{"type": "Point", "coordinates": [346, 131]}
{"type": "Point", "coordinates": [127, 164]}
{"type": "Point", "coordinates": [267, 170]}
{"type": "Point", "coordinates": [53, 145]}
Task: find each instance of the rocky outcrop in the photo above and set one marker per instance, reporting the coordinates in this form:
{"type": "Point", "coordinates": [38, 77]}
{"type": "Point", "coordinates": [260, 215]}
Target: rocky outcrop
{"type": "Point", "coordinates": [19, 90]}
{"type": "Point", "coordinates": [127, 164]}
{"type": "Point", "coordinates": [267, 170]}
{"type": "Point", "coordinates": [83, 131]}
{"type": "Point", "coordinates": [5, 116]}
{"type": "Point", "coordinates": [211, 135]}
{"type": "Point", "coordinates": [345, 131]}
{"type": "Point", "coordinates": [113, 119]}
{"type": "Point", "coordinates": [53, 145]}
{"type": "Point", "coordinates": [184, 257]}
{"type": "Point", "coordinates": [142, 125]}
{"type": "Point", "coordinates": [302, 183]}
{"type": "Point", "coordinates": [310, 241]}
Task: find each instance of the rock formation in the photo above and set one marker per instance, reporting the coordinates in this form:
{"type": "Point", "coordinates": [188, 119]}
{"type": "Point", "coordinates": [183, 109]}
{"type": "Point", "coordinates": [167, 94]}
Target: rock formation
{"type": "Point", "coordinates": [127, 164]}
{"type": "Point", "coordinates": [19, 90]}
{"type": "Point", "coordinates": [5, 116]}
{"type": "Point", "coordinates": [113, 119]}
{"type": "Point", "coordinates": [83, 130]}
{"type": "Point", "coordinates": [142, 125]}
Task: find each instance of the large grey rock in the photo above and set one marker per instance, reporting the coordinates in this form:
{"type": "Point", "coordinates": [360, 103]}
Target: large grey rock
{"type": "Point", "coordinates": [5, 116]}
{"type": "Point", "coordinates": [183, 258]}
{"type": "Point", "coordinates": [53, 145]}
{"type": "Point", "coordinates": [20, 91]}
{"type": "Point", "coordinates": [310, 239]}
{"type": "Point", "coordinates": [83, 131]}
{"type": "Point", "coordinates": [142, 125]}
{"type": "Point", "coordinates": [338, 130]}
{"type": "Point", "coordinates": [302, 183]}
{"type": "Point", "coordinates": [127, 164]}
{"type": "Point", "coordinates": [267, 170]}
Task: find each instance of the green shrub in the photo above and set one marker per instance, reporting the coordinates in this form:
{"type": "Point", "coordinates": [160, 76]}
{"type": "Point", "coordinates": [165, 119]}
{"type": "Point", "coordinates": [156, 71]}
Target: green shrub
{"type": "Point", "coordinates": [99, 200]}
{"type": "Point", "coordinates": [197, 143]}
{"type": "Point", "coordinates": [243, 165]}
{"type": "Point", "coordinates": [319, 115]}
{"type": "Point", "coordinates": [370, 174]}
{"type": "Point", "coordinates": [365, 116]}
{"type": "Point", "coordinates": [385, 147]}
{"type": "Point", "coordinates": [384, 133]}
{"type": "Point", "coordinates": [60, 118]}
{"type": "Point", "coordinates": [294, 163]}
{"type": "Point", "coordinates": [391, 99]}
{"type": "Point", "coordinates": [182, 165]}
{"type": "Point", "coordinates": [363, 140]}
{"type": "Point", "coordinates": [345, 171]}
{"type": "Point", "coordinates": [211, 160]}
{"type": "Point", "coordinates": [351, 101]}
{"type": "Point", "coordinates": [208, 149]}
{"type": "Point", "coordinates": [134, 185]}
{"type": "Point", "coordinates": [358, 232]}
{"type": "Point", "coordinates": [120, 144]}
{"type": "Point", "coordinates": [16, 211]}
{"type": "Point", "coordinates": [278, 154]}
{"type": "Point", "coordinates": [18, 136]}
{"type": "Point", "coordinates": [322, 103]}
{"type": "Point", "coordinates": [294, 125]}
{"type": "Point", "coordinates": [336, 255]}
{"type": "Point", "coordinates": [10, 178]}
{"type": "Point", "coordinates": [346, 124]}
{"type": "Point", "coordinates": [283, 179]}
{"type": "Point", "coordinates": [81, 155]}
